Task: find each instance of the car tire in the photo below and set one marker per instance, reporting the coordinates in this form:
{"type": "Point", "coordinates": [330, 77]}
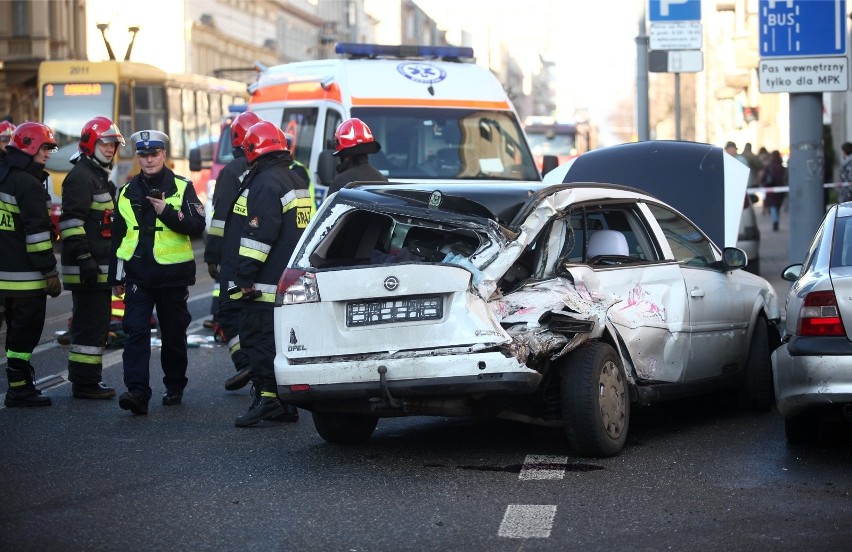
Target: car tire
{"type": "Point", "coordinates": [595, 400]}
{"type": "Point", "coordinates": [802, 429]}
{"type": "Point", "coordinates": [335, 427]}
{"type": "Point", "coordinates": [758, 392]}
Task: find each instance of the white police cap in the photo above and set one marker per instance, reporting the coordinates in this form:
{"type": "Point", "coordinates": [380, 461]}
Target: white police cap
{"type": "Point", "coordinates": [149, 141]}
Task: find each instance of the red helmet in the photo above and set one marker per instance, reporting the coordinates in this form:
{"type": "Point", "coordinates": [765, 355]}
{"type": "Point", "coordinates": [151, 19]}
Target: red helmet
{"type": "Point", "coordinates": [99, 128]}
{"type": "Point", "coordinates": [354, 132]}
{"type": "Point", "coordinates": [263, 137]}
{"type": "Point", "coordinates": [6, 128]}
{"type": "Point", "coordinates": [240, 126]}
{"type": "Point", "coordinates": [29, 137]}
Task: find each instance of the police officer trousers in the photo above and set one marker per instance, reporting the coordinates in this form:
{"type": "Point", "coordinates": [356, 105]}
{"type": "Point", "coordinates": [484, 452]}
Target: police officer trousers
{"type": "Point", "coordinates": [89, 330]}
{"type": "Point", "coordinates": [173, 316]}
{"type": "Point", "coordinates": [257, 339]}
{"type": "Point", "coordinates": [24, 322]}
{"type": "Point", "coordinates": [228, 318]}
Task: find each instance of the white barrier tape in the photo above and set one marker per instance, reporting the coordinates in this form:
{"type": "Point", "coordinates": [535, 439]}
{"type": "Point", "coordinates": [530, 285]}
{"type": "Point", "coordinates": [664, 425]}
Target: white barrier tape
{"type": "Point", "coordinates": [836, 185]}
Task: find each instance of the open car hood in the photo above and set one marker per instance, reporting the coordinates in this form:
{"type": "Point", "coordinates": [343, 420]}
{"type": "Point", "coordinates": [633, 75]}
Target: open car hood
{"type": "Point", "coordinates": [700, 180]}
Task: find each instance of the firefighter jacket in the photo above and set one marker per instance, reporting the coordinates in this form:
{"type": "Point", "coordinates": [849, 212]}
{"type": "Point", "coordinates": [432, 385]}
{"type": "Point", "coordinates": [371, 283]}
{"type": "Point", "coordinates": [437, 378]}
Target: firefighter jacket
{"type": "Point", "coordinates": [302, 171]}
{"type": "Point", "coordinates": [227, 189]}
{"type": "Point", "coordinates": [354, 169]}
{"type": "Point", "coordinates": [26, 232]}
{"type": "Point", "coordinates": [150, 250]}
{"type": "Point", "coordinates": [278, 210]}
{"type": "Point", "coordinates": [85, 222]}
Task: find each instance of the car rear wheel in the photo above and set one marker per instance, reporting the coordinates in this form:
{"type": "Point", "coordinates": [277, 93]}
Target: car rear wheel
{"type": "Point", "coordinates": [336, 427]}
{"type": "Point", "coordinates": [757, 392]}
{"type": "Point", "coordinates": [595, 401]}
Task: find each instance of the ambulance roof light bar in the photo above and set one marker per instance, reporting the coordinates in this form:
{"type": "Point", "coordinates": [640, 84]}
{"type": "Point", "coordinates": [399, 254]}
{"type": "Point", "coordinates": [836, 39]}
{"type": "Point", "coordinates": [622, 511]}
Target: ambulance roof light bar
{"type": "Point", "coordinates": [448, 53]}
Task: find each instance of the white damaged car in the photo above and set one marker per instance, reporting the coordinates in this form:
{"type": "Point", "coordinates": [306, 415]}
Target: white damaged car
{"type": "Point", "coordinates": [555, 304]}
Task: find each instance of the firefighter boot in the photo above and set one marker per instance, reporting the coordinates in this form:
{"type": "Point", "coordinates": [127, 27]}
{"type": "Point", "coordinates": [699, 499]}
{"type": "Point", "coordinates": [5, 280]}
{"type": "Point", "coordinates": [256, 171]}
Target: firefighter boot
{"type": "Point", "coordinates": [265, 404]}
{"type": "Point", "coordinates": [22, 390]}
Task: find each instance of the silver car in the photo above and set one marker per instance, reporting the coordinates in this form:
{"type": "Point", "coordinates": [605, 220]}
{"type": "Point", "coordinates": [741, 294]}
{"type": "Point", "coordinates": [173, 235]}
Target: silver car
{"type": "Point", "coordinates": [813, 367]}
{"type": "Point", "coordinates": [559, 305]}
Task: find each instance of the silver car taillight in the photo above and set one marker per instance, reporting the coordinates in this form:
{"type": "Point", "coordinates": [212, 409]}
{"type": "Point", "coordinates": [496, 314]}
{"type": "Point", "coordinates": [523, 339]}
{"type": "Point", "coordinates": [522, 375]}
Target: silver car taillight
{"type": "Point", "coordinates": [297, 286]}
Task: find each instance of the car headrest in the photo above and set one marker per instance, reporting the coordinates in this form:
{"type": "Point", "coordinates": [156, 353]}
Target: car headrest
{"type": "Point", "coordinates": [607, 242]}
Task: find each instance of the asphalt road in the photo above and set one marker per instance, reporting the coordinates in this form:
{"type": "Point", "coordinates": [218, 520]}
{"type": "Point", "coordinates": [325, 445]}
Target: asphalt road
{"type": "Point", "coordinates": [694, 475]}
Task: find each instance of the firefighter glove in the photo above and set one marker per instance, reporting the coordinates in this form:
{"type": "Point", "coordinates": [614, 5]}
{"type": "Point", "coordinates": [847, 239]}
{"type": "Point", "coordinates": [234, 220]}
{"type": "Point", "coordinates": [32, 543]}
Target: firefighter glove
{"type": "Point", "coordinates": [88, 269]}
{"type": "Point", "coordinates": [213, 269]}
{"type": "Point", "coordinates": [54, 287]}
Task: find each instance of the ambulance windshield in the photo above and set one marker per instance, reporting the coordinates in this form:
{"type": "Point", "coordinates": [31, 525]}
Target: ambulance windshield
{"type": "Point", "coordinates": [465, 144]}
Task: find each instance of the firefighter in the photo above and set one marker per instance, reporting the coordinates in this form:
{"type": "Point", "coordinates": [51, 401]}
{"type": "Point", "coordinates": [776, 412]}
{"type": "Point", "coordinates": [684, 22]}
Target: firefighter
{"type": "Point", "coordinates": [26, 247]}
{"type": "Point", "coordinates": [157, 214]}
{"type": "Point", "coordinates": [299, 168]}
{"type": "Point", "coordinates": [6, 130]}
{"type": "Point", "coordinates": [353, 142]}
{"type": "Point", "coordinates": [84, 226]}
{"type": "Point", "coordinates": [278, 208]}
{"type": "Point", "coordinates": [224, 197]}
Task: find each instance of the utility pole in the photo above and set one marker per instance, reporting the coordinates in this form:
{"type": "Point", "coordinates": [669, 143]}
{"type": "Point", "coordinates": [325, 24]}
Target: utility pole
{"type": "Point", "coordinates": [642, 119]}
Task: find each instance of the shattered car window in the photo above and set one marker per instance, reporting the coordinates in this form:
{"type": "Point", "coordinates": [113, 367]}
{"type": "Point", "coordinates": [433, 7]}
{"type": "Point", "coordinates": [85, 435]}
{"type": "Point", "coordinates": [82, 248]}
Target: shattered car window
{"type": "Point", "coordinates": [368, 238]}
{"type": "Point", "coordinates": [598, 235]}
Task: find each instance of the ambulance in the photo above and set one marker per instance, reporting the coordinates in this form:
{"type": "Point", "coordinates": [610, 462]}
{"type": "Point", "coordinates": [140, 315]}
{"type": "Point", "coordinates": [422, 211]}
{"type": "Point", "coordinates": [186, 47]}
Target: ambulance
{"type": "Point", "coordinates": [436, 113]}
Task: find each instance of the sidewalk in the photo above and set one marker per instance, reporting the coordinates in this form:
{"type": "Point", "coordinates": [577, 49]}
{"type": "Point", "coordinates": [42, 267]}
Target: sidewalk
{"type": "Point", "coordinates": [774, 250]}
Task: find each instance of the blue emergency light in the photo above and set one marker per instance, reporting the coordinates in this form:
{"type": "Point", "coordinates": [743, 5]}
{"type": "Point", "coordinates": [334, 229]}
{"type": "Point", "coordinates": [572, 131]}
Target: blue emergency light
{"type": "Point", "coordinates": [452, 53]}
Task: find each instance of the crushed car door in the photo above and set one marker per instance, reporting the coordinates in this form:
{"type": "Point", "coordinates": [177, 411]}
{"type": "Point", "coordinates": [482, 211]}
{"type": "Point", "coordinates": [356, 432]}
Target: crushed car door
{"type": "Point", "coordinates": [612, 255]}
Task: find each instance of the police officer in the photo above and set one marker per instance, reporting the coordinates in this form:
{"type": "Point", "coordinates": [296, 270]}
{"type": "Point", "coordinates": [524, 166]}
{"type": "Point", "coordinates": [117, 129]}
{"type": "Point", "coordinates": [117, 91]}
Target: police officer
{"type": "Point", "coordinates": [153, 266]}
{"type": "Point", "coordinates": [278, 208]}
{"type": "Point", "coordinates": [26, 248]}
{"type": "Point", "coordinates": [84, 225]}
{"type": "Point", "coordinates": [353, 142]}
{"type": "Point", "coordinates": [228, 205]}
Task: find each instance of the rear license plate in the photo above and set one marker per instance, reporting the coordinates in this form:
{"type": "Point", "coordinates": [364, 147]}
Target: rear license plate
{"type": "Point", "coordinates": [410, 309]}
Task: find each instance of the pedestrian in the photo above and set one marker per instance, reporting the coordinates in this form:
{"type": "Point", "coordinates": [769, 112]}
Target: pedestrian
{"type": "Point", "coordinates": [6, 130]}
{"type": "Point", "coordinates": [152, 266]}
{"type": "Point", "coordinates": [846, 172]}
{"type": "Point", "coordinates": [755, 166]}
{"type": "Point", "coordinates": [26, 247]}
{"type": "Point", "coordinates": [773, 176]}
{"type": "Point", "coordinates": [354, 141]}
{"type": "Point", "coordinates": [84, 226]}
{"type": "Point", "coordinates": [731, 149]}
{"type": "Point", "coordinates": [227, 208]}
{"type": "Point", "coordinates": [278, 209]}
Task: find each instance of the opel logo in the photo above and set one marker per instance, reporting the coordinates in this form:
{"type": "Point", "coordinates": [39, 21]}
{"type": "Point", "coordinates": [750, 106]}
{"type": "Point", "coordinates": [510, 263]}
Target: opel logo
{"type": "Point", "coordinates": [391, 283]}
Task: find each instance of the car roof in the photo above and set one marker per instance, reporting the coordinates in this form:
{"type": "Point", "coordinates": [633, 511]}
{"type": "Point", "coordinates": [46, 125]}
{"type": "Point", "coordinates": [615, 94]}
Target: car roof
{"type": "Point", "coordinates": [499, 200]}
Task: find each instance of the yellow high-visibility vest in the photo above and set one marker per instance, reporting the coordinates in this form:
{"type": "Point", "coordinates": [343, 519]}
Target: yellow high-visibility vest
{"type": "Point", "coordinates": [170, 247]}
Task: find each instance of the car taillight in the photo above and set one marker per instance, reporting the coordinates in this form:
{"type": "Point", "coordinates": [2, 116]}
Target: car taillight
{"type": "Point", "coordinates": [819, 315]}
{"type": "Point", "coordinates": [297, 286]}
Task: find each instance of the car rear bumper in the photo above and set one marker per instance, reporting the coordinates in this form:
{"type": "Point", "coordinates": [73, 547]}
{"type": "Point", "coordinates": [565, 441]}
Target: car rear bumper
{"type": "Point", "coordinates": [807, 381]}
{"type": "Point", "coordinates": [432, 376]}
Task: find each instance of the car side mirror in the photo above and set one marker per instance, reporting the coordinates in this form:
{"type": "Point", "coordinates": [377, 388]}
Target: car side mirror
{"type": "Point", "coordinates": [195, 163]}
{"type": "Point", "coordinates": [792, 272]}
{"type": "Point", "coordinates": [325, 167]}
{"type": "Point", "coordinates": [548, 163]}
{"type": "Point", "coordinates": [734, 258]}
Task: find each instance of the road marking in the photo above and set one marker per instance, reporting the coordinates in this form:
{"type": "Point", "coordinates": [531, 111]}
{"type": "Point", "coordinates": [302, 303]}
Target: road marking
{"type": "Point", "coordinates": [527, 521]}
{"type": "Point", "coordinates": [538, 466]}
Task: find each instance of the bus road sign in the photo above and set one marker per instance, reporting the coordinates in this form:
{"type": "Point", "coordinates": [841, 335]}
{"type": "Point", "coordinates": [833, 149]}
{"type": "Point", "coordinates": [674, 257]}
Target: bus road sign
{"type": "Point", "coordinates": [802, 28]}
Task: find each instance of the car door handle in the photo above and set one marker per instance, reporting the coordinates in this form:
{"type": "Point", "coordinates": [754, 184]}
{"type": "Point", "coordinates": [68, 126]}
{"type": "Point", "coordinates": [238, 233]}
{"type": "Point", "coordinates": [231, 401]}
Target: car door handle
{"type": "Point", "coordinates": [696, 293]}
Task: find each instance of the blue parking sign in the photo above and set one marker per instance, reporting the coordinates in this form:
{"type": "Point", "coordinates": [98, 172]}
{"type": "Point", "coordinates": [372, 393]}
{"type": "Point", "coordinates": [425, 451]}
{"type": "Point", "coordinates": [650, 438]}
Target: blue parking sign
{"type": "Point", "coordinates": [674, 10]}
